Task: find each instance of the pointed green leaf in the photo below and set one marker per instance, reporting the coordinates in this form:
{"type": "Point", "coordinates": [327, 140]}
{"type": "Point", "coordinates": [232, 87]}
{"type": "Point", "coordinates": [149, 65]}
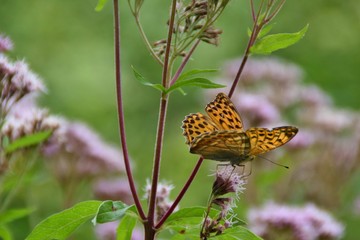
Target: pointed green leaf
{"type": "Point", "coordinates": [110, 211]}
{"type": "Point", "coordinates": [13, 214]}
{"type": "Point", "coordinates": [126, 227]}
{"type": "Point", "coordinates": [195, 82]}
{"type": "Point", "coordinates": [265, 30]}
{"type": "Point", "coordinates": [194, 72]}
{"type": "Point", "coordinates": [100, 5]}
{"type": "Point", "coordinates": [61, 225]}
{"type": "Point", "coordinates": [275, 42]}
{"type": "Point", "coordinates": [143, 81]}
{"type": "Point", "coordinates": [27, 141]}
{"type": "Point", "coordinates": [237, 233]}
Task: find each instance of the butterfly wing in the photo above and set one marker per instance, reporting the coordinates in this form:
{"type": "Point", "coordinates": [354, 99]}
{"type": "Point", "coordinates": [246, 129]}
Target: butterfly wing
{"type": "Point", "coordinates": [196, 124]}
{"type": "Point", "coordinates": [263, 140]}
{"type": "Point", "coordinates": [227, 145]}
{"type": "Point", "coordinates": [223, 113]}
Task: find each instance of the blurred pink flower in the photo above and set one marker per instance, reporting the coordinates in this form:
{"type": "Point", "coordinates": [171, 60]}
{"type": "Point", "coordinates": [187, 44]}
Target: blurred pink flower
{"type": "Point", "coordinates": [300, 223]}
{"type": "Point", "coordinates": [29, 121]}
{"type": "Point", "coordinates": [163, 202]}
{"type": "Point", "coordinates": [262, 69]}
{"type": "Point", "coordinates": [256, 109]}
{"type": "Point", "coordinates": [312, 95]}
{"type": "Point", "coordinates": [17, 81]}
{"type": "Point", "coordinates": [113, 189]}
{"type": "Point", "coordinates": [303, 139]}
{"type": "Point", "coordinates": [5, 43]}
{"type": "Point", "coordinates": [78, 151]}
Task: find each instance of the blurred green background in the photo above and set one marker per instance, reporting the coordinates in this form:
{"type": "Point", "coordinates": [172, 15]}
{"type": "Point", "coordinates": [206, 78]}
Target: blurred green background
{"type": "Point", "coordinates": [71, 47]}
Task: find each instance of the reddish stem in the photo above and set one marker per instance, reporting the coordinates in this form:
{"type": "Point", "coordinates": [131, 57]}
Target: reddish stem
{"type": "Point", "coordinates": [181, 194]}
{"type": "Point", "coordinates": [161, 126]}
{"type": "Point", "coordinates": [121, 111]}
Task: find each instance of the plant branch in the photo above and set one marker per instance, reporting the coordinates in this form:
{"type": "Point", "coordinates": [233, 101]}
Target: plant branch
{"type": "Point", "coordinates": [255, 31]}
{"type": "Point", "coordinates": [147, 42]}
{"type": "Point", "coordinates": [121, 111]}
{"type": "Point", "coordinates": [184, 62]}
{"type": "Point", "coordinates": [181, 194]}
{"type": "Point", "coordinates": [161, 121]}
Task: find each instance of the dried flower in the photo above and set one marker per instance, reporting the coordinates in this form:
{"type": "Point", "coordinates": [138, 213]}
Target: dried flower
{"type": "Point", "coordinates": [275, 221]}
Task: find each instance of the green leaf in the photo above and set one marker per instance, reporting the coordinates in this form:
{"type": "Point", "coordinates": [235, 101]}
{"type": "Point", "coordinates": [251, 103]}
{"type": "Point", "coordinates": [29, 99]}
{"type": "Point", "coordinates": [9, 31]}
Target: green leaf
{"type": "Point", "coordinates": [143, 81]}
{"type": "Point", "coordinates": [27, 141]}
{"type": "Point", "coordinates": [237, 233]}
{"type": "Point", "coordinates": [275, 42]}
{"type": "Point", "coordinates": [187, 218]}
{"type": "Point", "coordinates": [126, 227]}
{"type": "Point", "coordinates": [110, 211]}
{"type": "Point", "coordinates": [265, 30]}
{"type": "Point", "coordinates": [100, 5]}
{"type": "Point", "coordinates": [5, 233]}
{"type": "Point", "coordinates": [194, 72]}
{"type": "Point", "coordinates": [195, 82]}
{"type": "Point", "coordinates": [61, 225]}
{"type": "Point", "coordinates": [13, 214]}
{"type": "Point", "coordinates": [232, 233]}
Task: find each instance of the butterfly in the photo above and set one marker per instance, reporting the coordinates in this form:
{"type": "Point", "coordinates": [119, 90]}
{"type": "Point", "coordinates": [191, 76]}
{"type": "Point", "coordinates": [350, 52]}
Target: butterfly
{"type": "Point", "coordinates": [220, 135]}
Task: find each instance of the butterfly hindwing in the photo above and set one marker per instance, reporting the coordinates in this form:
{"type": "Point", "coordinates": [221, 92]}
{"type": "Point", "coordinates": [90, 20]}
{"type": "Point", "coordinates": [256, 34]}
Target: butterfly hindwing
{"type": "Point", "coordinates": [223, 145]}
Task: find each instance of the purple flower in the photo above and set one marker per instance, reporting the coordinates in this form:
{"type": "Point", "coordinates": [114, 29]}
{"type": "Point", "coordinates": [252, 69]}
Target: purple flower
{"type": "Point", "coordinates": [274, 221]}
{"type": "Point", "coordinates": [77, 152]}
{"type": "Point", "coordinates": [257, 109]}
{"type": "Point", "coordinates": [5, 43]}
{"type": "Point", "coordinates": [17, 81]}
{"type": "Point", "coordinates": [163, 202]}
{"type": "Point", "coordinates": [114, 189]}
{"type": "Point", "coordinates": [227, 181]}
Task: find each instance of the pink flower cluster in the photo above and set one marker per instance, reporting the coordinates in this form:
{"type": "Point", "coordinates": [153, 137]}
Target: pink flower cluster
{"type": "Point", "coordinates": [274, 221]}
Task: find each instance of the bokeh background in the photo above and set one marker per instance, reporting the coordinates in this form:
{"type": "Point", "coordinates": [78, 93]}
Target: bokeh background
{"type": "Point", "coordinates": [71, 47]}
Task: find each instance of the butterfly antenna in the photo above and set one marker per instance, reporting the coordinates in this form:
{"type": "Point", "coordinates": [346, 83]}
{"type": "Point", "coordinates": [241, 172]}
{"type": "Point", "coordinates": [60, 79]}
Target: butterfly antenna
{"type": "Point", "coordinates": [278, 164]}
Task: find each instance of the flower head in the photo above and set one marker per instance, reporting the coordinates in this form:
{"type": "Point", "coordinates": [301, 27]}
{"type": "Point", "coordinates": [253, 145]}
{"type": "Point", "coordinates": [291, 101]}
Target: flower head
{"type": "Point", "coordinates": [5, 43]}
{"type": "Point", "coordinates": [163, 202]}
{"type": "Point", "coordinates": [227, 181]}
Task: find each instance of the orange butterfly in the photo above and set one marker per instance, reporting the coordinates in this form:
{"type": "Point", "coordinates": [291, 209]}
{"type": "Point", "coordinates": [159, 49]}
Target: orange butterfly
{"type": "Point", "coordinates": [220, 135]}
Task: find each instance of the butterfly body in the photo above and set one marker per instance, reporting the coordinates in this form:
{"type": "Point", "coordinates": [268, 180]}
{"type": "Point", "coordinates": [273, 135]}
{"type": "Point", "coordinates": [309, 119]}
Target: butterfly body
{"type": "Point", "coordinates": [220, 135]}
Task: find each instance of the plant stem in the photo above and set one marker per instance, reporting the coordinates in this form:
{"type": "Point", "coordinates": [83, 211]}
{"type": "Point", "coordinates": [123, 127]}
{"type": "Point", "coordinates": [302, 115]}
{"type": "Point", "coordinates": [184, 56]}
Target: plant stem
{"type": "Point", "coordinates": [184, 62]}
{"type": "Point", "coordinates": [161, 124]}
{"type": "Point", "coordinates": [254, 33]}
{"type": "Point", "coordinates": [121, 111]}
{"type": "Point", "coordinates": [181, 194]}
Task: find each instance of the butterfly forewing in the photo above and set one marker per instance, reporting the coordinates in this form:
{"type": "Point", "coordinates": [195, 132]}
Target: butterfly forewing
{"type": "Point", "coordinates": [196, 124]}
{"type": "Point", "coordinates": [263, 140]}
{"type": "Point", "coordinates": [223, 113]}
